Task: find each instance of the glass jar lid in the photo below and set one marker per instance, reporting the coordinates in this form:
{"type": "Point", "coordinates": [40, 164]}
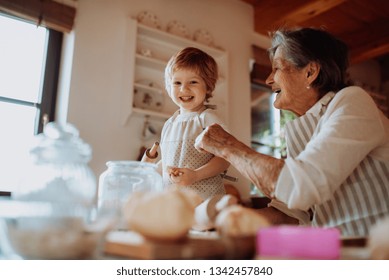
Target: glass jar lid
{"type": "Point", "coordinates": [60, 143]}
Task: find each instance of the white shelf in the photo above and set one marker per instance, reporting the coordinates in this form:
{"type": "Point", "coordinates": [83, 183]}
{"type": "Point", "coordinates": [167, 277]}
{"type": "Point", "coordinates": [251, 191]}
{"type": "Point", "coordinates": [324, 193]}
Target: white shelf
{"type": "Point", "coordinates": [150, 62]}
{"type": "Point", "coordinates": [147, 53]}
{"type": "Point", "coordinates": [162, 115]}
{"type": "Point", "coordinates": [173, 40]}
{"type": "Point", "coordinates": [149, 88]}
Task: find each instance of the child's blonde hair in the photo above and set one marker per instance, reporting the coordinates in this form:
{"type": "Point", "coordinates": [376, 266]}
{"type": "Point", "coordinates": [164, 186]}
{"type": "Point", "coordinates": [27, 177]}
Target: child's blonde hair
{"type": "Point", "coordinates": [197, 60]}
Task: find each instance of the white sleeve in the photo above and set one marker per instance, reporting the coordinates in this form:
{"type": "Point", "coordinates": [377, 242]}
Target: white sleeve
{"type": "Point", "coordinates": [302, 216]}
{"type": "Point", "coordinates": [210, 117]}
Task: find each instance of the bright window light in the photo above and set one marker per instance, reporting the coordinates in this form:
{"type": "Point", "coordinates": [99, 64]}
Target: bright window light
{"type": "Point", "coordinates": [22, 60]}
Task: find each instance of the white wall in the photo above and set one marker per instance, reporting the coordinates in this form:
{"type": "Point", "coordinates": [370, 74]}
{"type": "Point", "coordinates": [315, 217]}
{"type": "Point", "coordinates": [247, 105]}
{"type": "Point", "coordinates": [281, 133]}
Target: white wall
{"type": "Point", "coordinates": [96, 83]}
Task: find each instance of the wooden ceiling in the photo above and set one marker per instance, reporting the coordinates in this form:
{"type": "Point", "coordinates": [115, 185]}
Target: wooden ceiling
{"type": "Point", "coordinates": [362, 24]}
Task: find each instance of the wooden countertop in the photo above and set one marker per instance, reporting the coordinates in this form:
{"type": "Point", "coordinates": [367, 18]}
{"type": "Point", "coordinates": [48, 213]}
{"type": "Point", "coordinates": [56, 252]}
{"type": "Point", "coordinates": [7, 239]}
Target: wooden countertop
{"type": "Point", "coordinates": [197, 245]}
{"type": "Point", "coordinates": [204, 245]}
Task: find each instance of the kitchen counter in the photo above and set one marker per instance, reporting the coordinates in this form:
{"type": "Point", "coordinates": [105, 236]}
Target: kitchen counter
{"type": "Point", "coordinates": [205, 245]}
{"type": "Point", "coordinates": [197, 245]}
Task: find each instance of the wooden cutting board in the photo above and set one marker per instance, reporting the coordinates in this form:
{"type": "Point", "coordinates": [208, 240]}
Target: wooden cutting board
{"type": "Point", "coordinates": [197, 245]}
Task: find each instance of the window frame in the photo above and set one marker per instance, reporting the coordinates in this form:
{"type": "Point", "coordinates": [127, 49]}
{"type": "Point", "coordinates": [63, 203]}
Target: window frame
{"type": "Point", "coordinates": [50, 81]}
{"type": "Point", "coordinates": [49, 90]}
{"type": "Point", "coordinates": [46, 105]}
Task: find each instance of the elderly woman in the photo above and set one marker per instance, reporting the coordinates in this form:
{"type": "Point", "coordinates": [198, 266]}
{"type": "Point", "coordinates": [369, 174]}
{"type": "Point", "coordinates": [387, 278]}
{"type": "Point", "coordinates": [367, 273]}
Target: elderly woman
{"type": "Point", "coordinates": [336, 173]}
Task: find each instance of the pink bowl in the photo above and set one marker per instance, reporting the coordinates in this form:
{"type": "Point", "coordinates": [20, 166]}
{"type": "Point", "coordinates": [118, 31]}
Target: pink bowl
{"type": "Point", "coordinates": [299, 242]}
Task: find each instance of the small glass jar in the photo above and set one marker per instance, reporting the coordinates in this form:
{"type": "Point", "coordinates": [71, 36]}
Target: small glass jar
{"type": "Point", "coordinates": [123, 178]}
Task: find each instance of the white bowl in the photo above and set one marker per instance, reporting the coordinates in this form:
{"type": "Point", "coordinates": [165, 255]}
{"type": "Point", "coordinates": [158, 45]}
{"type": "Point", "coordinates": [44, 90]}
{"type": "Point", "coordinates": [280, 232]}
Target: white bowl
{"type": "Point", "coordinates": [32, 231]}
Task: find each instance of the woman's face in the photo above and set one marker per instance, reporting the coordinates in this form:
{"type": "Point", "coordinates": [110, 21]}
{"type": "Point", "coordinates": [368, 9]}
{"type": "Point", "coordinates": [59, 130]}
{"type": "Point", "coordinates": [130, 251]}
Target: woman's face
{"type": "Point", "coordinates": [290, 84]}
{"type": "Point", "coordinates": [188, 90]}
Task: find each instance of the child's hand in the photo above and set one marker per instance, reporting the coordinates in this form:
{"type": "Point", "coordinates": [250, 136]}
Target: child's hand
{"type": "Point", "coordinates": [181, 176]}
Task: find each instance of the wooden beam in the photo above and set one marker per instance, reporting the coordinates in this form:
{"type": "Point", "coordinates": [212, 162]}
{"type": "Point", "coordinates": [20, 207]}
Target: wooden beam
{"type": "Point", "coordinates": [362, 24]}
{"type": "Point", "coordinates": [367, 33]}
{"type": "Point", "coordinates": [270, 15]}
{"type": "Point", "coordinates": [369, 41]}
{"type": "Point", "coordinates": [310, 10]}
{"type": "Point", "coordinates": [268, 12]}
{"type": "Point", "coordinates": [372, 50]}
{"type": "Point", "coordinates": [46, 13]}
{"type": "Point", "coordinates": [251, 2]}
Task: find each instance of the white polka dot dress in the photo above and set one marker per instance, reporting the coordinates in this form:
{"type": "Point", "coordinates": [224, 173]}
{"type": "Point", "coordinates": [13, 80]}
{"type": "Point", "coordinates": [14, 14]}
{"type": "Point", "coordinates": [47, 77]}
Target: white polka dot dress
{"type": "Point", "coordinates": [177, 149]}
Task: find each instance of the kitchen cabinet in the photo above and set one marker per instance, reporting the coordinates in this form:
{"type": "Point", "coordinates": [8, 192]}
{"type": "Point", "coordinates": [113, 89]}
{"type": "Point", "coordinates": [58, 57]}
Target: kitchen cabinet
{"type": "Point", "coordinates": [147, 51]}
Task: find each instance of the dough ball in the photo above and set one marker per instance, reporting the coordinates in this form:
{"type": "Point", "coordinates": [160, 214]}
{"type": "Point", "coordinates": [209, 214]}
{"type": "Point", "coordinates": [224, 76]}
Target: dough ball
{"type": "Point", "coordinates": [166, 215]}
{"type": "Point", "coordinates": [225, 201]}
{"type": "Point", "coordinates": [193, 198]}
{"type": "Point", "coordinates": [239, 221]}
{"type": "Point", "coordinates": [205, 214]}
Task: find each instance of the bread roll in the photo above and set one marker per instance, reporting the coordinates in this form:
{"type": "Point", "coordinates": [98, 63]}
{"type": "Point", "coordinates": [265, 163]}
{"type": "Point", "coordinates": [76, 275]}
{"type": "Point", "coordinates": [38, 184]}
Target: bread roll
{"type": "Point", "coordinates": [193, 198]}
{"type": "Point", "coordinates": [206, 212]}
{"type": "Point", "coordinates": [225, 201]}
{"type": "Point", "coordinates": [166, 215]}
{"type": "Point", "coordinates": [239, 221]}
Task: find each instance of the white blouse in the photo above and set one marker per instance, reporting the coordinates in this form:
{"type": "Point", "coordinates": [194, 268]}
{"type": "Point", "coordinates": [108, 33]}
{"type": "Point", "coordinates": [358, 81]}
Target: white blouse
{"type": "Point", "coordinates": [338, 163]}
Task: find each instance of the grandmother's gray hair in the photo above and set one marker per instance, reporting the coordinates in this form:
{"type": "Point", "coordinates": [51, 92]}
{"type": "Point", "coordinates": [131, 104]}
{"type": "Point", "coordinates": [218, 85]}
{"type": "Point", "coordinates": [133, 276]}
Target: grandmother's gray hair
{"type": "Point", "coordinates": [304, 45]}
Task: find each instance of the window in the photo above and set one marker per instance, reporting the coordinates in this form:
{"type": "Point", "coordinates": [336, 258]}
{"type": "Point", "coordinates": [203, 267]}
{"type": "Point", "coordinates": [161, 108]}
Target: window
{"type": "Point", "coordinates": [267, 125]}
{"type": "Point", "coordinates": [29, 69]}
{"type": "Point", "coordinates": [265, 121]}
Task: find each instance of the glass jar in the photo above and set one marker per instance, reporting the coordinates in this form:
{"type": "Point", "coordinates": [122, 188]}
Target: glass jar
{"type": "Point", "coordinates": [123, 178]}
{"type": "Point", "coordinates": [52, 215]}
{"type": "Point", "coordinates": [59, 173]}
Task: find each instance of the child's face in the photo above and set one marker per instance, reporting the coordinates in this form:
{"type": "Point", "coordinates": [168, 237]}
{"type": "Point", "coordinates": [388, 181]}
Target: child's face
{"type": "Point", "coordinates": [188, 90]}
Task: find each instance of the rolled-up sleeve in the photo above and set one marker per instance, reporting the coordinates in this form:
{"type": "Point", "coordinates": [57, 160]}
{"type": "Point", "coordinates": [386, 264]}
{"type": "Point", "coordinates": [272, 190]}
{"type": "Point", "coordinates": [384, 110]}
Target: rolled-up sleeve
{"type": "Point", "coordinates": [302, 216]}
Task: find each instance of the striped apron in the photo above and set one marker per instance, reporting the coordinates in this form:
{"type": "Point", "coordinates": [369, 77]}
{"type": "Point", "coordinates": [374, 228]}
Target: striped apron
{"type": "Point", "coordinates": [364, 196]}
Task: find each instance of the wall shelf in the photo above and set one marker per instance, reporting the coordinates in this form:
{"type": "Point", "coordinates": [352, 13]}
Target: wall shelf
{"type": "Point", "coordinates": [148, 88]}
{"type": "Point", "coordinates": [171, 40]}
{"type": "Point", "coordinates": [150, 62]}
{"type": "Point", "coordinates": [147, 53]}
{"type": "Point", "coordinates": [151, 113]}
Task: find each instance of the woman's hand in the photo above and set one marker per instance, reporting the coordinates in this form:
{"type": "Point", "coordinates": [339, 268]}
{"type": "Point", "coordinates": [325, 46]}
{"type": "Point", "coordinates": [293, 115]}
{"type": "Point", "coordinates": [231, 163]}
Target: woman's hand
{"type": "Point", "coordinates": [262, 170]}
{"type": "Point", "coordinates": [212, 140]}
{"type": "Point", "coordinates": [182, 176]}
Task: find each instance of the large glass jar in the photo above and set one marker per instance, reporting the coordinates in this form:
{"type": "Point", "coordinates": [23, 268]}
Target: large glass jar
{"type": "Point", "coordinates": [52, 214]}
{"type": "Point", "coordinates": [59, 172]}
{"type": "Point", "coordinates": [123, 178]}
